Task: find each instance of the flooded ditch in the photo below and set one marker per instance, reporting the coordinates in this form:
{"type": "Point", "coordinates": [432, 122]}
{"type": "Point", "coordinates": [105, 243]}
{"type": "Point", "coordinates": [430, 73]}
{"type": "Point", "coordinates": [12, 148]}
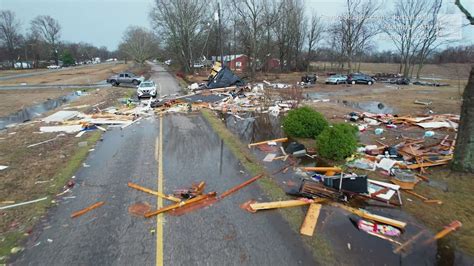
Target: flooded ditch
{"type": "Point", "coordinates": [28, 113]}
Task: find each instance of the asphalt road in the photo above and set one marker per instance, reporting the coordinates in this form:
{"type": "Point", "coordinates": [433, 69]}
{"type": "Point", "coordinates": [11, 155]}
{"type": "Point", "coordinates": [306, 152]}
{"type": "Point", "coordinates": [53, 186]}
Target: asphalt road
{"type": "Point", "coordinates": [222, 234]}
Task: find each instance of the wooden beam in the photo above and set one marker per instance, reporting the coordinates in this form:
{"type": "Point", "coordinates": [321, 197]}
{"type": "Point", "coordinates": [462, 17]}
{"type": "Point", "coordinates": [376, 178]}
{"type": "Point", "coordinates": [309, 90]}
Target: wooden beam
{"type": "Point", "coordinates": [176, 205]}
{"type": "Point", "coordinates": [152, 192]}
{"type": "Point", "coordinates": [450, 228]}
{"type": "Point", "coordinates": [427, 164]}
{"type": "Point", "coordinates": [370, 216]}
{"type": "Point", "coordinates": [238, 187]}
{"type": "Point", "coordinates": [311, 219]}
{"type": "Point", "coordinates": [282, 204]}
{"type": "Point", "coordinates": [322, 169]}
{"type": "Point", "coordinates": [90, 208]}
{"type": "Point", "coordinates": [408, 242]}
{"type": "Point", "coordinates": [266, 142]}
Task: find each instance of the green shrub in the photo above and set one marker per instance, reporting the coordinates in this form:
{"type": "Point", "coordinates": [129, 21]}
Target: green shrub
{"type": "Point", "coordinates": [304, 122]}
{"type": "Point", "coordinates": [337, 142]}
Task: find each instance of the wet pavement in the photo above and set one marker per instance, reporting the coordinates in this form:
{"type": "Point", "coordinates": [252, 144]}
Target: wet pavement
{"type": "Point", "coordinates": [110, 235]}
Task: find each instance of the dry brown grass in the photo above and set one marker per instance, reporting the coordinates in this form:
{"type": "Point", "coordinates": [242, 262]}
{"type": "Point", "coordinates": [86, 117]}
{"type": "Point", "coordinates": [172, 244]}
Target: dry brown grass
{"type": "Point", "coordinates": [450, 71]}
{"type": "Point", "coordinates": [85, 75]}
{"type": "Point", "coordinates": [53, 162]}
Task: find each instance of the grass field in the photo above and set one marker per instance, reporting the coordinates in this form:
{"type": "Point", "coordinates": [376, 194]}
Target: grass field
{"type": "Point", "coordinates": [451, 71]}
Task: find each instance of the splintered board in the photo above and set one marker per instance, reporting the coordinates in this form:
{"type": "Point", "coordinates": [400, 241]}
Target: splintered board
{"type": "Point", "coordinates": [309, 223]}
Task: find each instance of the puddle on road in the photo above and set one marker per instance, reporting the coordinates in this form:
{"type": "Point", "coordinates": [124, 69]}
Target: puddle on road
{"type": "Point", "coordinates": [28, 113]}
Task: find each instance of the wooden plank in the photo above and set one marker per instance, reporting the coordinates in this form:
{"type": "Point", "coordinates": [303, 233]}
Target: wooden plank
{"type": "Point", "coordinates": [282, 204]}
{"type": "Point", "coordinates": [322, 169]}
{"type": "Point", "coordinates": [152, 192]}
{"type": "Point", "coordinates": [370, 216]}
{"type": "Point", "coordinates": [278, 204]}
{"type": "Point", "coordinates": [266, 142]}
{"type": "Point", "coordinates": [176, 205]}
{"type": "Point", "coordinates": [427, 164]}
{"type": "Point", "coordinates": [311, 219]}
{"type": "Point", "coordinates": [90, 208]}
{"type": "Point", "coordinates": [450, 228]}
{"type": "Point", "coordinates": [408, 243]}
{"type": "Point", "coordinates": [238, 187]}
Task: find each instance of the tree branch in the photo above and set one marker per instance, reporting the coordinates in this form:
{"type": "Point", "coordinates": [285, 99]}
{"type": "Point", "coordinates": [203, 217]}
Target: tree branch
{"type": "Point", "coordinates": [465, 11]}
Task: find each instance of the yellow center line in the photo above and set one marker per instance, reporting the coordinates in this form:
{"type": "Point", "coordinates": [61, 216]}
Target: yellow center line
{"type": "Point", "coordinates": [159, 217]}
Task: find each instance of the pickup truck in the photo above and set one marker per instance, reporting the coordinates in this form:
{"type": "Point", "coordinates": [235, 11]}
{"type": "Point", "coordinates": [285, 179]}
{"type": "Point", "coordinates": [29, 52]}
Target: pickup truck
{"type": "Point", "coordinates": [126, 77]}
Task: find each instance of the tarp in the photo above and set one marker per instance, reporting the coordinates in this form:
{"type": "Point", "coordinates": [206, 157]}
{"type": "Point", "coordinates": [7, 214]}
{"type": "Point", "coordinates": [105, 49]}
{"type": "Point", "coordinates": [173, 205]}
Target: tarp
{"type": "Point", "coordinates": [224, 78]}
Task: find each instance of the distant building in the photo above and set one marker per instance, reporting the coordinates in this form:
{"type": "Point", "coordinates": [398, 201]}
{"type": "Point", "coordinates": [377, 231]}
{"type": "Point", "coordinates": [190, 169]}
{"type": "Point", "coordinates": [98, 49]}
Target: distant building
{"type": "Point", "coordinates": [22, 65]}
{"type": "Point", "coordinates": [240, 62]}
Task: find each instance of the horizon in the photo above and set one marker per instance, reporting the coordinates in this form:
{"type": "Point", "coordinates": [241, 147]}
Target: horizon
{"type": "Point", "coordinates": [81, 22]}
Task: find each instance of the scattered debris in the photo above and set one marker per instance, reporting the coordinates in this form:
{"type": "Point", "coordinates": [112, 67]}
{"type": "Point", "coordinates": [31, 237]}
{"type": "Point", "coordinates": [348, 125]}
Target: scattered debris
{"type": "Point", "coordinates": [46, 141]}
{"type": "Point", "coordinates": [3, 167]}
{"type": "Point", "coordinates": [22, 203]}
{"type": "Point", "coordinates": [61, 116]}
{"type": "Point", "coordinates": [83, 211]}
{"type": "Point", "coordinates": [66, 129]}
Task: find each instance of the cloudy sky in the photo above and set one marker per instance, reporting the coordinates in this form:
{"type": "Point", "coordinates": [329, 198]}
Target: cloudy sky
{"type": "Point", "coordinates": [102, 22]}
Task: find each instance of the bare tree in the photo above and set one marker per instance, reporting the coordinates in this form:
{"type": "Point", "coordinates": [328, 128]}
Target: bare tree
{"type": "Point", "coordinates": [251, 14]}
{"type": "Point", "coordinates": [430, 35]}
{"type": "Point", "coordinates": [414, 29]}
{"type": "Point", "coordinates": [50, 30]}
{"type": "Point", "coordinates": [139, 44]}
{"type": "Point", "coordinates": [315, 31]}
{"type": "Point", "coordinates": [355, 27]}
{"type": "Point", "coordinates": [181, 23]}
{"type": "Point", "coordinates": [464, 152]}
{"type": "Point", "coordinates": [290, 31]}
{"type": "Point", "coordinates": [9, 33]}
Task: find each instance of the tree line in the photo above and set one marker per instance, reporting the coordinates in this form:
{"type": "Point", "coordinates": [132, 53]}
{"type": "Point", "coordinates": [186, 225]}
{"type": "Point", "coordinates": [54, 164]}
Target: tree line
{"type": "Point", "coordinates": [286, 30]}
{"type": "Point", "coordinates": [41, 44]}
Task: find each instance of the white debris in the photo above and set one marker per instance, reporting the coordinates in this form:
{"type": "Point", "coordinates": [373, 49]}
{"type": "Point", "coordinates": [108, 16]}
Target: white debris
{"type": "Point", "coordinates": [66, 129]}
{"type": "Point", "coordinates": [61, 116]}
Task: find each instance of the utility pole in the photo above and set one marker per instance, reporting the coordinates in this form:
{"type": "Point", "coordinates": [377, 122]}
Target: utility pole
{"type": "Point", "coordinates": [220, 31]}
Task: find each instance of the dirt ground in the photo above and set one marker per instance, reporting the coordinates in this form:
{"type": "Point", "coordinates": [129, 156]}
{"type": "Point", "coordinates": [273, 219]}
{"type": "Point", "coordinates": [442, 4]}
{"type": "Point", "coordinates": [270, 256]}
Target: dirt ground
{"type": "Point", "coordinates": [444, 71]}
{"type": "Point", "coordinates": [85, 75]}
{"type": "Point", "coordinates": [14, 100]}
{"type": "Point", "coordinates": [399, 98]}
{"type": "Point", "coordinates": [41, 170]}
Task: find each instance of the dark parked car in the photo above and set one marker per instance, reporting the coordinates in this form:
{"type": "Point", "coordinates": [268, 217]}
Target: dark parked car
{"type": "Point", "coordinates": [358, 78]}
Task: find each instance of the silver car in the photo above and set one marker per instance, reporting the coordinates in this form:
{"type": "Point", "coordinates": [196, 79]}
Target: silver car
{"type": "Point", "coordinates": [336, 79]}
{"type": "Point", "coordinates": [146, 89]}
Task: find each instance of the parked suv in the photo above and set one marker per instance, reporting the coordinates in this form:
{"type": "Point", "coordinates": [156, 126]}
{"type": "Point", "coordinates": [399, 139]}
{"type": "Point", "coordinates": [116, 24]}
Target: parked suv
{"type": "Point", "coordinates": [358, 78]}
{"type": "Point", "coordinates": [126, 77]}
{"type": "Point", "coordinates": [146, 89]}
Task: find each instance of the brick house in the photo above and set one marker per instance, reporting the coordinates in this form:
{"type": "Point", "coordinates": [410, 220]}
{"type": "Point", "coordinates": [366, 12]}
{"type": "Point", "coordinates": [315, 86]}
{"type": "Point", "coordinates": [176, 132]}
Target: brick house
{"type": "Point", "coordinates": [240, 62]}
